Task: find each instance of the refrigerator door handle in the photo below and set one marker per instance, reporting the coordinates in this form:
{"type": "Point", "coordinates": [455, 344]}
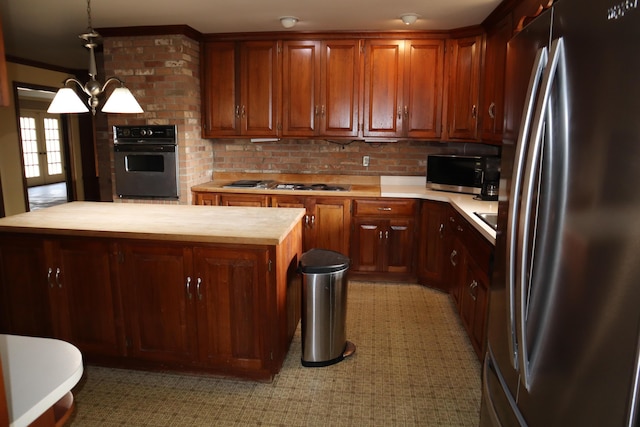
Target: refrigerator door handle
{"type": "Point", "coordinates": [532, 169]}
{"type": "Point", "coordinates": [539, 64]}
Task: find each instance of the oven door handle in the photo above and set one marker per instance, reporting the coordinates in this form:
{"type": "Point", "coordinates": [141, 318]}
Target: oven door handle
{"type": "Point", "coordinates": [144, 148]}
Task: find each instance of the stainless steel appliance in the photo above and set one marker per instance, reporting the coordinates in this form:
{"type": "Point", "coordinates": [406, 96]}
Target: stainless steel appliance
{"type": "Point", "coordinates": [146, 161]}
{"type": "Point", "coordinates": [274, 185]}
{"type": "Point", "coordinates": [463, 174]}
{"type": "Point", "coordinates": [564, 310]}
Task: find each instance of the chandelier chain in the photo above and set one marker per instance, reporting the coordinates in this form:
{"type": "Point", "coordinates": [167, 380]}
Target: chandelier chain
{"type": "Point", "coordinates": [89, 16]}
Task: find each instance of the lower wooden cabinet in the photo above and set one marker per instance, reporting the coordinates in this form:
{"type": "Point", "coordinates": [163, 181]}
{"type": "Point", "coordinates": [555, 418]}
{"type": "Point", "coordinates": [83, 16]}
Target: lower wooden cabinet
{"type": "Point", "coordinates": [327, 222]}
{"type": "Point", "coordinates": [24, 308]}
{"type": "Point", "coordinates": [383, 237]}
{"type": "Point", "coordinates": [222, 308]}
{"type": "Point", "coordinates": [432, 245]}
{"type": "Point", "coordinates": [470, 258]}
{"type": "Point", "coordinates": [64, 291]}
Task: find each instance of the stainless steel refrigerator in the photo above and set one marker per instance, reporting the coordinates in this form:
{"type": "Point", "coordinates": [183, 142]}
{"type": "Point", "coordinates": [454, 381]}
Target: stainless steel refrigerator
{"type": "Point", "coordinates": [564, 310]}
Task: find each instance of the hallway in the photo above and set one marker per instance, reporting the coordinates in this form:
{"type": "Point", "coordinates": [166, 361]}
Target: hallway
{"type": "Point", "coordinates": [43, 196]}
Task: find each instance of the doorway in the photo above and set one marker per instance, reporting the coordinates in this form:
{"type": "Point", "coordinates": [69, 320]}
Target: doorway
{"type": "Point", "coordinates": [43, 146]}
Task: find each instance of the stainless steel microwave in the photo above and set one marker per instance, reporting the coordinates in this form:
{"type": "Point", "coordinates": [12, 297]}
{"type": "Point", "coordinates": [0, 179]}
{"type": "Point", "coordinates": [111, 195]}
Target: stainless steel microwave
{"type": "Point", "coordinates": [461, 174]}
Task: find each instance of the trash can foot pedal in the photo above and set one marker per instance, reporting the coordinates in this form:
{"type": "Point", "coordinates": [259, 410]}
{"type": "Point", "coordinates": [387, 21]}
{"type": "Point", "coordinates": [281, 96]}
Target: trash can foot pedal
{"type": "Point", "coordinates": [349, 349]}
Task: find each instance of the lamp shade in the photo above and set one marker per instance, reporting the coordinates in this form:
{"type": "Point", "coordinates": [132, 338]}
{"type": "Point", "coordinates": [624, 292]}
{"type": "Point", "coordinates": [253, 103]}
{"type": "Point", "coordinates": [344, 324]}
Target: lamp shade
{"type": "Point", "coordinates": [409, 18]}
{"type": "Point", "coordinates": [121, 101]}
{"type": "Point", "coordinates": [67, 101]}
{"type": "Point", "coordinates": [288, 21]}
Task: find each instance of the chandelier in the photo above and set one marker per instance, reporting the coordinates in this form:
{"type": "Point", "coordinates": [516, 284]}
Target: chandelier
{"type": "Point", "coordinates": [67, 100]}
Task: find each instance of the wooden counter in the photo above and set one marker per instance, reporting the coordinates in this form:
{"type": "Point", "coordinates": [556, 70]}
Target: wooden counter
{"type": "Point", "coordinates": [192, 288]}
{"type": "Point", "coordinates": [240, 225]}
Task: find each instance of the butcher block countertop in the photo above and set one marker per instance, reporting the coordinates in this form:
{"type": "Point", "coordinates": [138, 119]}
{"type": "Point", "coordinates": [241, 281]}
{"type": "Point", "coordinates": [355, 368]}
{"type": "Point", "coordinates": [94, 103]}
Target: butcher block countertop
{"type": "Point", "coordinates": [205, 224]}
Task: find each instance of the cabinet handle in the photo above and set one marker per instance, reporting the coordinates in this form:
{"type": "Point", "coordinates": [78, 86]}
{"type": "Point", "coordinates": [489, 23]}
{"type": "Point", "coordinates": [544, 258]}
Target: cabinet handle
{"type": "Point", "coordinates": [472, 290]}
{"type": "Point", "coordinates": [460, 229]}
{"type": "Point", "coordinates": [386, 234]}
{"type": "Point", "coordinates": [58, 278]}
{"type": "Point", "coordinates": [452, 219]}
{"type": "Point", "coordinates": [322, 110]}
{"type": "Point", "coordinates": [49, 272]}
{"type": "Point", "coordinates": [316, 110]}
{"type": "Point", "coordinates": [406, 112]}
{"type": "Point", "coordinates": [452, 257]}
{"type": "Point", "coordinates": [380, 235]}
{"type": "Point", "coordinates": [306, 220]}
{"type": "Point", "coordinates": [237, 111]}
{"type": "Point", "coordinates": [384, 209]}
{"type": "Point", "coordinates": [242, 112]}
{"type": "Point", "coordinates": [188, 286]}
{"type": "Point", "coordinates": [492, 110]}
{"type": "Point", "coordinates": [313, 221]}
{"type": "Point", "coordinates": [441, 230]}
{"type": "Point", "coordinates": [474, 111]}
{"type": "Point", "coordinates": [198, 281]}
{"type": "Point", "coordinates": [399, 112]}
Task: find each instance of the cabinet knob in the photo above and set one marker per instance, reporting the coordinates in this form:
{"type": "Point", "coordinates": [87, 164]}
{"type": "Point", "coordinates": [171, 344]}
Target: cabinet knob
{"type": "Point", "coordinates": [452, 257]}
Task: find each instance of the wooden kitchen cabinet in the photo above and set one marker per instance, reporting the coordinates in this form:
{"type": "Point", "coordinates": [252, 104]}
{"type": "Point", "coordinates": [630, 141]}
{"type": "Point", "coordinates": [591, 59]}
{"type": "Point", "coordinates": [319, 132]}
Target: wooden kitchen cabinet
{"type": "Point", "coordinates": [241, 89]}
{"type": "Point", "coordinates": [463, 95]}
{"type": "Point", "coordinates": [495, 60]}
{"type": "Point", "coordinates": [470, 258]}
{"type": "Point", "coordinates": [403, 88]}
{"type": "Point", "coordinates": [206, 199]}
{"type": "Point", "coordinates": [65, 292]}
{"type": "Point", "coordinates": [383, 236]}
{"type": "Point", "coordinates": [24, 304]}
{"type": "Point", "coordinates": [84, 304]}
{"type": "Point", "coordinates": [321, 88]}
{"type": "Point", "coordinates": [158, 299]}
{"type": "Point", "coordinates": [327, 223]}
{"type": "Point", "coordinates": [432, 245]}
{"type": "Point", "coordinates": [257, 200]}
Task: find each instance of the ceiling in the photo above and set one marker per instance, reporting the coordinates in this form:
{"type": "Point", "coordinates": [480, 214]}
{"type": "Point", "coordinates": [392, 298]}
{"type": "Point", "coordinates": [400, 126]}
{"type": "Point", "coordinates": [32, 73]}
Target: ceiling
{"type": "Point", "coordinates": [47, 30]}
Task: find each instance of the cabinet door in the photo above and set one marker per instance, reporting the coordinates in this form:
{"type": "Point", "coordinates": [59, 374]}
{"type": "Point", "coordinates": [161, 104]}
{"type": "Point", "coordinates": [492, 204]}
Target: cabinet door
{"type": "Point", "coordinates": [384, 71]}
{"type": "Point", "coordinates": [297, 202]}
{"type": "Point", "coordinates": [367, 248]}
{"type": "Point", "coordinates": [464, 81]}
{"type": "Point", "coordinates": [206, 199]}
{"type": "Point", "coordinates": [230, 301]}
{"type": "Point", "coordinates": [329, 223]}
{"type": "Point", "coordinates": [220, 83]}
{"type": "Point", "coordinates": [398, 241]}
{"type": "Point", "coordinates": [84, 303]}
{"type": "Point", "coordinates": [423, 87]}
{"type": "Point", "coordinates": [432, 245]}
{"type": "Point", "coordinates": [495, 60]}
{"type": "Point", "coordinates": [255, 200]}
{"type": "Point", "coordinates": [24, 298]}
{"type": "Point", "coordinates": [301, 88]}
{"type": "Point", "coordinates": [473, 302]}
{"type": "Point", "coordinates": [340, 87]}
{"type": "Point", "coordinates": [260, 86]}
{"type": "Point", "coordinates": [158, 292]}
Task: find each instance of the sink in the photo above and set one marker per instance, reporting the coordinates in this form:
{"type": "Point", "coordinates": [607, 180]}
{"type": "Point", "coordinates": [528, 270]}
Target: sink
{"type": "Point", "coordinates": [491, 219]}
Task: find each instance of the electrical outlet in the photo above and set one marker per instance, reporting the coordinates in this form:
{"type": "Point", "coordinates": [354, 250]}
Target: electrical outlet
{"type": "Point", "coordinates": [365, 161]}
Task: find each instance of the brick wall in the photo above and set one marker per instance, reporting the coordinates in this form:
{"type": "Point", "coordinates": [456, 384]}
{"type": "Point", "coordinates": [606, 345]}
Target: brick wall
{"type": "Point", "coordinates": [163, 73]}
{"type": "Point", "coordinates": [338, 157]}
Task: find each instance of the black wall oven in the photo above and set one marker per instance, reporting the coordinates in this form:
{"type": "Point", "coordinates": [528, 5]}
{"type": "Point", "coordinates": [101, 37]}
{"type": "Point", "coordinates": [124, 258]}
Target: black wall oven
{"type": "Point", "coordinates": [146, 161]}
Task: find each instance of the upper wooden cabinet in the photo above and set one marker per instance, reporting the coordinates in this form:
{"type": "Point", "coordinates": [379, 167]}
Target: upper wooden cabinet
{"type": "Point", "coordinates": [241, 89]}
{"type": "Point", "coordinates": [320, 88]}
{"type": "Point", "coordinates": [495, 59]}
{"type": "Point", "coordinates": [463, 95]}
{"type": "Point", "coordinates": [403, 88]}
{"type": "Point", "coordinates": [4, 80]}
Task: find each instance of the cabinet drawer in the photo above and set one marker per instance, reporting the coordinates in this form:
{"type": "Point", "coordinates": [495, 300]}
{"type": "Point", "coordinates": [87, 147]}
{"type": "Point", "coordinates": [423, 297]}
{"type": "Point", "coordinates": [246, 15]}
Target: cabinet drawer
{"type": "Point", "coordinates": [392, 207]}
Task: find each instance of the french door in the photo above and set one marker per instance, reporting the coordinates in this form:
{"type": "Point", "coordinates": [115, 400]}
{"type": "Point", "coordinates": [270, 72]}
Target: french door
{"type": "Point", "coordinates": [41, 137]}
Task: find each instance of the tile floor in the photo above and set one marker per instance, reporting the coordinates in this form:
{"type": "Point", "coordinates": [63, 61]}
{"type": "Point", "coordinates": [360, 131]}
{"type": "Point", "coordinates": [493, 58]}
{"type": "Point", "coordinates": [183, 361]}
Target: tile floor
{"type": "Point", "coordinates": [413, 366]}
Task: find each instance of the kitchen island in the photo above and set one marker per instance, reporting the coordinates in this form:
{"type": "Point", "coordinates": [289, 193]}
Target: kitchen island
{"type": "Point", "coordinates": [153, 286]}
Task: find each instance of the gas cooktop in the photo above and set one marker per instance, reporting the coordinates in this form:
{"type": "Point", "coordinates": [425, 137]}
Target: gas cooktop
{"type": "Point", "coordinates": [273, 185]}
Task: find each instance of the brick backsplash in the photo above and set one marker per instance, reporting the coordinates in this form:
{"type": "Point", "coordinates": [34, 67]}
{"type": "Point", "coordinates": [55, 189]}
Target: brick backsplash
{"type": "Point", "coordinates": [163, 72]}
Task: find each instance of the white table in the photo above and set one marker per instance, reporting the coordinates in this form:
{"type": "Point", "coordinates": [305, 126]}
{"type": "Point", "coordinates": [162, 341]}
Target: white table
{"type": "Point", "coordinates": [37, 373]}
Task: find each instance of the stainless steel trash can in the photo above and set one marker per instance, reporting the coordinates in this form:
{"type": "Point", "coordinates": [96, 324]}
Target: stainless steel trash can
{"type": "Point", "coordinates": [324, 307]}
